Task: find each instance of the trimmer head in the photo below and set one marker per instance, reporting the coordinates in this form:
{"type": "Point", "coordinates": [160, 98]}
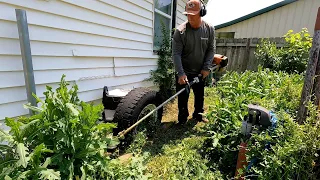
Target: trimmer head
{"type": "Point", "coordinates": [258, 116]}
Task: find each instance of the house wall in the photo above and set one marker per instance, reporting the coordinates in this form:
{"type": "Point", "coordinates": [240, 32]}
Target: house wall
{"type": "Point", "coordinates": [278, 22]}
{"type": "Point", "coordinates": [97, 43]}
{"type": "Point", "coordinates": [181, 18]}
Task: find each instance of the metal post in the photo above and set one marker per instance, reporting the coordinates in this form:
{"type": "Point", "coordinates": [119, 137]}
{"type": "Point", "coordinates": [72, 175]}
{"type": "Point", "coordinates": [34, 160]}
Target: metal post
{"type": "Point", "coordinates": [26, 56]}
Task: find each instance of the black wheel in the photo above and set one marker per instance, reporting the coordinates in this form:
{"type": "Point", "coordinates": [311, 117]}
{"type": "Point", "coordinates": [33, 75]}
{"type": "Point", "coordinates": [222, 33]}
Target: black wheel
{"type": "Point", "coordinates": [134, 106]}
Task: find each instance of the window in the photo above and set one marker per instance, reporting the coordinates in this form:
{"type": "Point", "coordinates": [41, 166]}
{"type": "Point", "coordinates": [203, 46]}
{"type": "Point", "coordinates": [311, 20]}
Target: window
{"type": "Point", "coordinates": [162, 12]}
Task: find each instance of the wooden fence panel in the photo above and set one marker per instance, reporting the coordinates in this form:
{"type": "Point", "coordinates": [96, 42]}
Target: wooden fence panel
{"type": "Point", "coordinates": [241, 52]}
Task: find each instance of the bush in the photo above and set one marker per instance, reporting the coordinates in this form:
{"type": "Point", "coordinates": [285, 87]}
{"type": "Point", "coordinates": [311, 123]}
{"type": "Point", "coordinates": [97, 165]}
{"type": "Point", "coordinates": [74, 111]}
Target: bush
{"type": "Point", "coordinates": [62, 141]}
{"type": "Point", "coordinates": [293, 57]}
{"type": "Point", "coordinates": [164, 76]}
{"type": "Point", "coordinates": [294, 147]}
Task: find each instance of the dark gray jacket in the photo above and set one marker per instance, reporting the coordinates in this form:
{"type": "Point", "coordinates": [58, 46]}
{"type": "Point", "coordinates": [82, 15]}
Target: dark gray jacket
{"type": "Point", "coordinates": [193, 49]}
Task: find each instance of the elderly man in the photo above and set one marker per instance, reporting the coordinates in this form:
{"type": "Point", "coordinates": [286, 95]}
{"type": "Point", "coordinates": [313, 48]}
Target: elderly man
{"type": "Point", "coordinates": [193, 52]}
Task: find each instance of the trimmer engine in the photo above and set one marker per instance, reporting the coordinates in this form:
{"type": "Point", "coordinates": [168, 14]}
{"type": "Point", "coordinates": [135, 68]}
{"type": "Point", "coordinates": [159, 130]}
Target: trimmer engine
{"type": "Point", "coordinates": [257, 116]}
{"type": "Point", "coordinates": [221, 61]}
{"type": "Point", "coordinates": [262, 119]}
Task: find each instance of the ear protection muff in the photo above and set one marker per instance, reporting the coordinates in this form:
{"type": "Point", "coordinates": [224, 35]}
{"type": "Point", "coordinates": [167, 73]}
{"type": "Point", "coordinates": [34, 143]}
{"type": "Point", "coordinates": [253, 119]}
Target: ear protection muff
{"type": "Point", "coordinates": [203, 10]}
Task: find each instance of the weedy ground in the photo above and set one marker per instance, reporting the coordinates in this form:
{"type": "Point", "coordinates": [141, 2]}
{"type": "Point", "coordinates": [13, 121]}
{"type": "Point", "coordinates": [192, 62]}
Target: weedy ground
{"type": "Point", "coordinates": [209, 151]}
{"type": "Point", "coordinates": [174, 152]}
{"type": "Point", "coordinates": [70, 144]}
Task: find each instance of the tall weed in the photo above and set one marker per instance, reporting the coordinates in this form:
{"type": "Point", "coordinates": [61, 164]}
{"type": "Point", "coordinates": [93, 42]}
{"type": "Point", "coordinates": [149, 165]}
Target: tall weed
{"type": "Point", "coordinates": [293, 57]}
{"type": "Point", "coordinates": [277, 91]}
{"type": "Point", "coordinates": [64, 140]}
{"type": "Point", "coordinates": [288, 152]}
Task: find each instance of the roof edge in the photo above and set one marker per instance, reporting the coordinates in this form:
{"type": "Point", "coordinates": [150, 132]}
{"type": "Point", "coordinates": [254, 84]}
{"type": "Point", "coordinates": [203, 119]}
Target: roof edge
{"type": "Point", "coordinates": [256, 13]}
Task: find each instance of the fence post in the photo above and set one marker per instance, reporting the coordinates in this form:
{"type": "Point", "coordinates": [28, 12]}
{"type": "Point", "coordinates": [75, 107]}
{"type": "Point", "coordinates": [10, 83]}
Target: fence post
{"type": "Point", "coordinates": [246, 55]}
{"type": "Point", "coordinates": [26, 56]}
{"type": "Point", "coordinates": [316, 86]}
{"type": "Point", "coordinates": [310, 73]}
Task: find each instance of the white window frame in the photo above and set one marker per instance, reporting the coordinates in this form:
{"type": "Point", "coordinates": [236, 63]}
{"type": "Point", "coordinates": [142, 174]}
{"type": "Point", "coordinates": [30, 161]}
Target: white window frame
{"type": "Point", "coordinates": [164, 15]}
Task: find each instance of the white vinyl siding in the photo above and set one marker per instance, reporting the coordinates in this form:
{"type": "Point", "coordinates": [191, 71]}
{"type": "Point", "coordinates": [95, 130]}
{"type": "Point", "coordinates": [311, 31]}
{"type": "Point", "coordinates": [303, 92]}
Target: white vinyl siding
{"type": "Point", "coordinates": [181, 18]}
{"type": "Point", "coordinates": [278, 22]}
{"type": "Point", "coordinates": [96, 44]}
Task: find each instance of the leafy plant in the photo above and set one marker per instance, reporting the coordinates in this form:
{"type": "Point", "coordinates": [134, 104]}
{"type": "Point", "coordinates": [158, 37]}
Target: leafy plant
{"type": "Point", "coordinates": [163, 76]}
{"type": "Point", "coordinates": [19, 163]}
{"type": "Point", "coordinates": [211, 152]}
{"type": "Point", "coordinates": [135, 168]}
{"type": "Point", "coordinates": [64, 140]}
{"type": "Point", "coordinates": [182, 161]}
{"type": "Point", "coordinates": [268, 54]}
{"type": "Point", "coordinates": [293, 149]}
{"type": "Point", "coordinates": [293, 57]}
{"type": "Point", "coordinates": [228, 105]}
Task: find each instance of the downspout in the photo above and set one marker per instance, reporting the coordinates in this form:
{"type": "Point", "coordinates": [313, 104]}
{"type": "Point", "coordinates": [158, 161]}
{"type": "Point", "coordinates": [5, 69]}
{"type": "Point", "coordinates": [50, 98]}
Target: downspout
{"type": "Point", "coordinates": [26, 56]}
{"type": "Point", "coordinates": [174, 15]}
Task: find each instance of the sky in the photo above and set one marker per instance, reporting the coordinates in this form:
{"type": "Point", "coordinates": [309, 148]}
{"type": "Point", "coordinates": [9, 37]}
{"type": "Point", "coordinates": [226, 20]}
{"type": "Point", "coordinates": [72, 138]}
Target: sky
{"type": "Point", "coordinates": [221, 11]}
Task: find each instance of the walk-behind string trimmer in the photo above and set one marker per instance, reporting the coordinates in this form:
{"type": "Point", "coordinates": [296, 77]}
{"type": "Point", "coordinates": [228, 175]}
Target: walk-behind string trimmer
{"type": "Point", "coordinates": [130, 108]}
{"type": "Point", "coordinates": [257, 120]}
{"type": "Point", "coordinates": [187, 88]}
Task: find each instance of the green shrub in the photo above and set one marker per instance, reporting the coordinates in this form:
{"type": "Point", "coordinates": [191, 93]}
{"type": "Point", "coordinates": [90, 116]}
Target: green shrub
{"type": "Point", "coordinates": [164, 76]}
{"type": "Point", "coordinates": [293, 149]}
{"type": "Point", "coordinates": [62, 141]}
{"type": "Point", "coordinates": [276, 91]}
{"type": "Point", "coordinates": [293, 57]}
{"type": "Point", "coordinates": [268, 54]}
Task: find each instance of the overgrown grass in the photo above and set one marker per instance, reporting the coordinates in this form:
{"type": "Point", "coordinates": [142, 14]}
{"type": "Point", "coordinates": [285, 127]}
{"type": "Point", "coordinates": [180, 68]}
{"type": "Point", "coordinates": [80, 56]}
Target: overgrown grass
{"type": "Point", "coordinates": [209, 151]}
{"type": "Point", "coordinates": [175, 153]}
{"type": "Point", "coordinates": [69, 132]}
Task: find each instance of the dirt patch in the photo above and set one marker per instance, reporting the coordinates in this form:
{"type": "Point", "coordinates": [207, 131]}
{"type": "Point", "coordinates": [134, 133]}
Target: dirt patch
{"type": "Point", "coordinates": [171, 110]}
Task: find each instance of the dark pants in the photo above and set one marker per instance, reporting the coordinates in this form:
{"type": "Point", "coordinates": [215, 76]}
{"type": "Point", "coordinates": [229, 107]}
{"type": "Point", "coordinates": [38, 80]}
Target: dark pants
{"type": "Point", "coordinates": [198, 90]}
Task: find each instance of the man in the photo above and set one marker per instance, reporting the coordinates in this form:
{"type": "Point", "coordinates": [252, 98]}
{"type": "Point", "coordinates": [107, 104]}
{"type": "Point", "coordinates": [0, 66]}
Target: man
{"type": "Point", "coordinates": [193, 52]}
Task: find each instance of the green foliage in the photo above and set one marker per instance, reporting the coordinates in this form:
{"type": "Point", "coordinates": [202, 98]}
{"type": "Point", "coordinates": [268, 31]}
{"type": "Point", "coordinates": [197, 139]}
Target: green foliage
{"type": "Point", "coordinates": [163, 76]}
{"type": "Point", "coordinates": [211, 152]}
{"type": "Point", "coordinates": [293, 150]}
{"type": "Point", "coordinates": [274, 90]}
{"type": "Point", "coordinates": [268, 54]}
{"type": "Point", "coordinates": [20, 163]}
{"type": "Point", "coordinates": [63, 140]}
{"type": "Point", "coordinates": [293, 57]}
{"type": "Point", "coordinates": [134, 169]}
{"type": "Point", "coordinates": [182, 161]}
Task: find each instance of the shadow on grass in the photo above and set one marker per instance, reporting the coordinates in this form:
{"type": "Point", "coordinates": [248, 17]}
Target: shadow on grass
{"type": "Point", "coordinates": [171, 135]}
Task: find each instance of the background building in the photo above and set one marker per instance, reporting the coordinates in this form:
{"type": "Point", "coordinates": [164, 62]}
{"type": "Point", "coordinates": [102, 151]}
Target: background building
{"type": "Point", "coordinates": [273, 21]}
